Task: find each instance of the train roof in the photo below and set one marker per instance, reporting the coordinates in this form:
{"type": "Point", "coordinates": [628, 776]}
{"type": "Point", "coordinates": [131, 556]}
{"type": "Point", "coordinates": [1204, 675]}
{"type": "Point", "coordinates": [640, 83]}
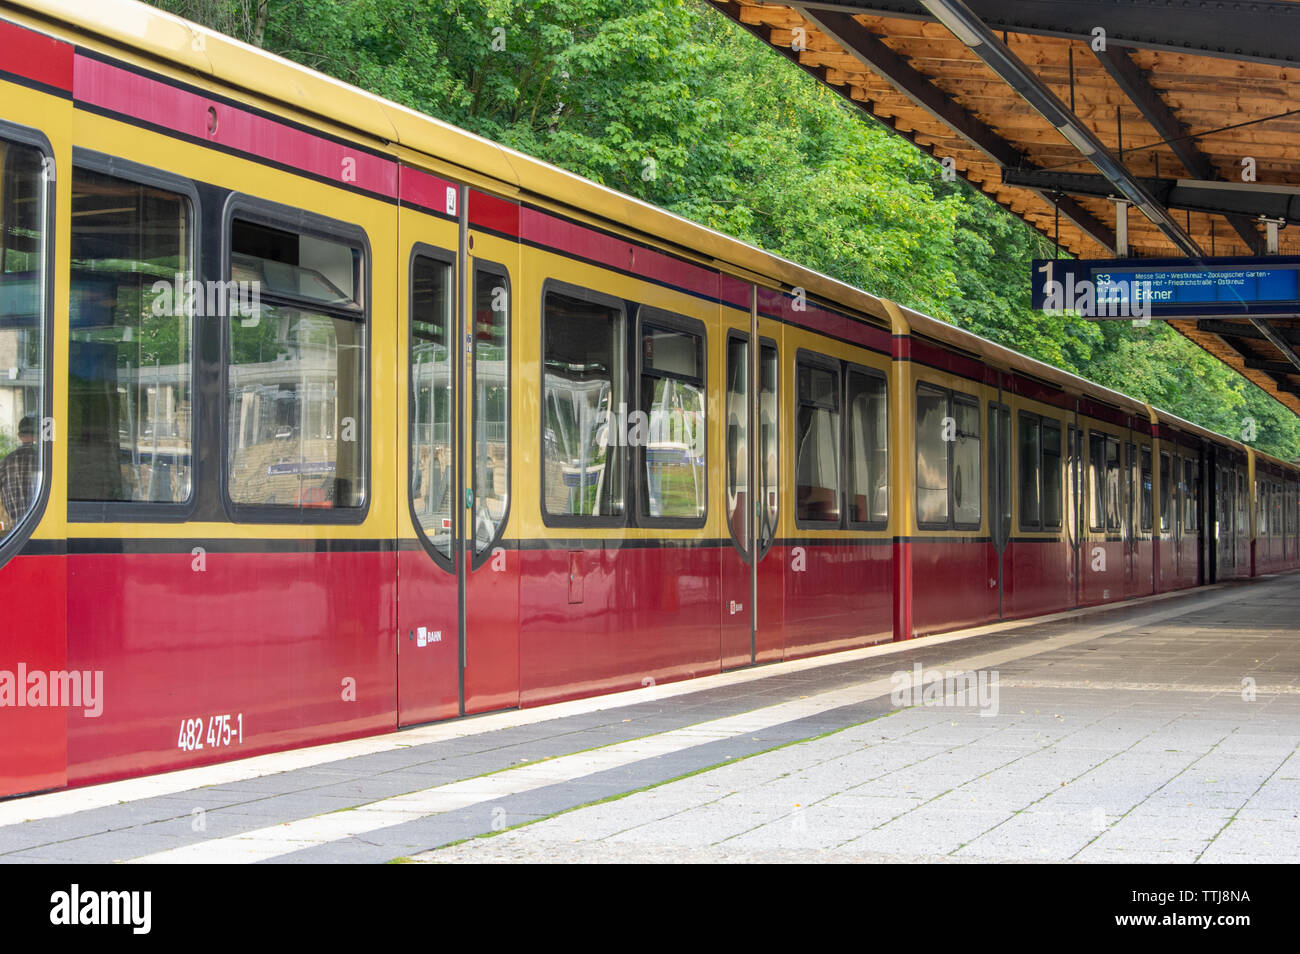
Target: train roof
{"type": "Point", "coordinates": [136, 28]}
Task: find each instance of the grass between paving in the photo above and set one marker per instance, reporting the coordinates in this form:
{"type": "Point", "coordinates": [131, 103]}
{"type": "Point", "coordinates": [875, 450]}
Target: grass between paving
{"type": "Point", "coordinates": [730, 760]}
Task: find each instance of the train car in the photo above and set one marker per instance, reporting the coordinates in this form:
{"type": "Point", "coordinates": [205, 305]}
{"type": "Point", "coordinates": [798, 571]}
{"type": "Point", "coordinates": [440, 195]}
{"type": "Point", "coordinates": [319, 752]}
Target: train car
{"type": "Point", "coordinates": [1274, 542]}
{"type": "Point", "coordinates": [321, 418]}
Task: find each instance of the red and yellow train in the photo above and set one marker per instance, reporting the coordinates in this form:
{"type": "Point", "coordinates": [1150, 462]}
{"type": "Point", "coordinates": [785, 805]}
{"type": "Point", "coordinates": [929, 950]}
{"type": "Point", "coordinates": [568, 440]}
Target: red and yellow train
{"type": "Point", "coordinates": [320, 418]}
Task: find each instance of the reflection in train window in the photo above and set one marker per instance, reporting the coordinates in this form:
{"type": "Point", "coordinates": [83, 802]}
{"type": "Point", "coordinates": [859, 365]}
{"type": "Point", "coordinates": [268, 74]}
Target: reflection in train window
{"type": "Point", "coordinates": [432, 355]}
{"type": "Point", "coordinates": [1097, 480]}
{"type": "Point", "coordinates": [1113, 487]}
{"type": "Point", "coordinates": [868, 448]}
{"type": "Point", "coordinates": [673, 475]}
{"type": "Point", "coordinates": [491, 403]}
{"type": "Point", "coordinates": [1146, 478]}
{"type": "Point", "coordinates": [769, 443]}
{"type": "Point", "coordinates": [1166, 493]}
{"type": "Point", "coordinates": [131, 312]}
{"type": "Point", "coordinates": [1030, 476]}
{"type": "Point", "coordinates": [23, 284]}
{"type": "Point", "coordinates": [932, 443]}
{"type": "Point", "coordinates": [817, 444]}
{"type": "Point", "coordinates": [737, 446]}
{"type": "Point", "coordinates": [967, 488]}
{"type": "Point", "coordinates": [1051, 475]}
{"type": "Point", "coordinates": [296, 374]}
{"type": "Point", "coordinates": [585, 427]}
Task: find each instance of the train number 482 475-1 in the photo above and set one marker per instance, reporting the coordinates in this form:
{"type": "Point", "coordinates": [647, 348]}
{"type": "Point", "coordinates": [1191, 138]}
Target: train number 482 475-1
{"type": "Point", "coordinates": [221, 731]}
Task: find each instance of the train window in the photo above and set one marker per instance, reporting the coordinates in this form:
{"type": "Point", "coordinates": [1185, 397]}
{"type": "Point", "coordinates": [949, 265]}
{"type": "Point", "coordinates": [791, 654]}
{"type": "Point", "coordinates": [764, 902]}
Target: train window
{"type": "Point", "coordinates": [491, 404]}
{"type": "Point", "coordinates": [868, 448]}
{"type": "Point", "coordinates": [1073, 476]}
{"type": "Point", "coordinates": [1243, 505]}
{"type": "Point", "coordinates": [769, 438]}
{"type": "Point", "coordinates": [1144, 475]}
{"type": "Point", "coordinates": [737, 444]}
{"type": "Point", "coordinates": [933, 439]}
{"type": "Point", "coordinates": [967, 487]}
{"type": "Point", "coordinates": [1275, 502]}
{"type": "Point", "coordinates": [1261, 512]}
{"type": "Point", "coordinates": [1290, 497]}
{"type": "Point", "coordinates": [673, 456]}
{"type": "Point", "coordinates": [1129, 485]}
{"type": "Point", "coordinates": [1097, 480]}
{"type": "Point", "coordinates": [1051, 475]}
{"type": "Point", "coordinates": [1225, 528]}
{"type": "Point", "coordinates": [296, 376]}
{"type": "Point", "coordinates": [433, 353]}
{"type": "Point", "coordinates": [1040, 473]}
{"type": "Point", "coordinates": [1166, 493]}
{"type": "Point", "coordinates": [1031, 513]}
{"type": "Point", "coordinates": [24, 283]}
{"type": "Point", "coordinates": [1192, 495]}
{"type": "Point", "coordinates": [585, 426]}
{"type": "Point", "coordinates": [131, 314]}
{"type": "Point", "coordinates": [1113, 486]}
{"type": "Point", "coordinates": [817, 443]}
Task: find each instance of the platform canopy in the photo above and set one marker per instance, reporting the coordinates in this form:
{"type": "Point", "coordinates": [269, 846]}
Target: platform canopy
{"type": "Point", "coordinates": [1186, 110]}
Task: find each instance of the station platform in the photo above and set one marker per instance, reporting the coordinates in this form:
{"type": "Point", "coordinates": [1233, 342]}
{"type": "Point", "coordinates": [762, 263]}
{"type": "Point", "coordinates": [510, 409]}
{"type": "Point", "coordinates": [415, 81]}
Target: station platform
{"type": "Point", "coordinates": [1166, 729]}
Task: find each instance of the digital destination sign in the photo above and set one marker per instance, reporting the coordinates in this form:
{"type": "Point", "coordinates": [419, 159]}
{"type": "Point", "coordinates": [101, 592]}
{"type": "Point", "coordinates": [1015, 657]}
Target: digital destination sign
{"type": "Point", "coordinates": [1105, 289]}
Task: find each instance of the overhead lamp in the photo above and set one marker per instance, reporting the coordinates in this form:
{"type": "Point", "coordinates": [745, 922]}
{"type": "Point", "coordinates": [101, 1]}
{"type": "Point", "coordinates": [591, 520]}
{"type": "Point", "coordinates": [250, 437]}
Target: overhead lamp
{"type": "Point", "coordinates": [1077, 139]}
{"type": "Point", "coordinates": [954, 22]}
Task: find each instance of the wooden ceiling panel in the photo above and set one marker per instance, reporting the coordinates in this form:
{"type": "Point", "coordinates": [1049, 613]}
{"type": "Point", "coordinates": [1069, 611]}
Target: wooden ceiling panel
{"type": "Point", "coordinates": [1229, 109]}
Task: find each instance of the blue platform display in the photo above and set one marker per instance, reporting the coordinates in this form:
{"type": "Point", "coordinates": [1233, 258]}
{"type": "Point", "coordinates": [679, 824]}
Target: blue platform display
{"type": "Point", "coordinates": [1164, 288]}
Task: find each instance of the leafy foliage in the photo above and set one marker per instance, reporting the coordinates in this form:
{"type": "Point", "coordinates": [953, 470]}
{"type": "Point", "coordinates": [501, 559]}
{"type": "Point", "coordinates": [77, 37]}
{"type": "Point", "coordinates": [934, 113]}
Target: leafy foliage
{"type": "Point", "coordinates": [668, 101]}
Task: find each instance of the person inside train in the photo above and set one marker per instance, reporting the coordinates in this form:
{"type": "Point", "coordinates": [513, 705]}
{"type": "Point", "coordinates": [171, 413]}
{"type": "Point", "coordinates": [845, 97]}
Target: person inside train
{"type": "Point", "coordinates": [20, 471]}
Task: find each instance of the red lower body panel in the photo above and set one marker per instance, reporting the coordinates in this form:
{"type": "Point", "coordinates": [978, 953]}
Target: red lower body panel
{"type": "Point", "coordinates": [954, 584]}
{"type": "Point", "coordinates": [639, 614]}
{"type": "Point", "coordinates": [295, 648]}
{"type": "Point", "coordinates": [33, 731]}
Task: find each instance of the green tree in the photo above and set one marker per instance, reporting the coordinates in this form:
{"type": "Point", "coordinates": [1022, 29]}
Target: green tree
{"type": "Point", "coordinates": [669, 101]}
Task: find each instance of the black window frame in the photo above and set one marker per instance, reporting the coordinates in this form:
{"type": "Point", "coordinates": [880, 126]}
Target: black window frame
{"type": "Point", "coordinates": [655, 317]}
{"type": "Point", "coordinates": [1043, 423]}
{"type": "Point", "coordinates": [1146, 489]}
{"type": "Point", "coordinates": [1115, 501]}
{"type": "Point", "coordinates": [724, 391]}
{"type": "Point", "coordinates": [815, 360]}
{"type": "Point", "coordinates": [623, 335]}
{"type": "Point", "coordinates": [954, 397]}
{"type": "Point", "coordinates": [16, 538]}
{"type": "Point", "coordinates": [147, 511]}
{"type": "Point", "coordinates": [287, 218]}
{"type": "Point", "coordinates": [1099, 470]}
{"type": "Point", "coordinates": [481, 556]}
{"type": "Point", "coordinates": [851, 367]}
{"type": "Point", "coordinates": [764, 342]}
{"type": "Point", "coordinates": [445, 257]}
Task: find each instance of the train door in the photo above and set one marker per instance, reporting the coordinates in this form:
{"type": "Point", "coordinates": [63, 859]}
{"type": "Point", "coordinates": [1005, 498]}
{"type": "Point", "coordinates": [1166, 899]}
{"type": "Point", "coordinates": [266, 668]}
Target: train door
{"type": "Point", "coordinates": [428, 630]}
{"type": "Point", "coordinates": [457, 574]}
{"type": "Point", "coordinates": [1074, 504]}
{"type": "Point", "coordinates": [1000, 492]}
{"type": "Point", "coordinates": [753, 584]}
{"type": "Point", "coordinates": [769, 571]}
{"type": "Point", "coordinates": [33, 572]}
{"type": "Point", "coordinates": [490, 577]}
{"type": "Point", "coordinates": [1128, 500]}
{"type": "Point", "coordinates": [738, 637]}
